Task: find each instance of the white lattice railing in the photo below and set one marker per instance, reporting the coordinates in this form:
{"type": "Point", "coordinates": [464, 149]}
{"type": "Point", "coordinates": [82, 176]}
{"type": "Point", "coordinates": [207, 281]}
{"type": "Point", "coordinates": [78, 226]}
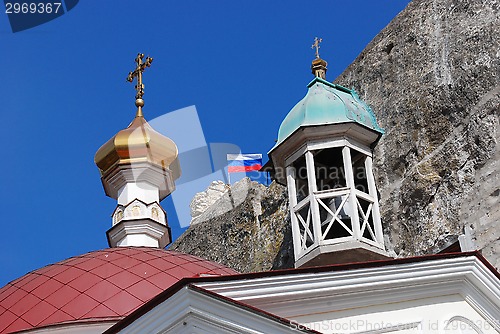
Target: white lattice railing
{"type": "Point", "coordinates": [336, 207]}
{"type": "Point", "coordinates": [304, 222]}
{"type": "Point", "coordinates": [364, 216]}
{"type": "Point", "coordinates": [333, 202]}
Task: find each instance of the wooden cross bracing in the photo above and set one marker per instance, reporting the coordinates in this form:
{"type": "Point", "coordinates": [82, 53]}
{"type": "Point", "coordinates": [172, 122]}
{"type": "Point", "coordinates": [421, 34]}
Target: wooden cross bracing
{"type": "Point", "coordinates": [137, 73]}
{"type": "Point", "coordinates": [316, 45]}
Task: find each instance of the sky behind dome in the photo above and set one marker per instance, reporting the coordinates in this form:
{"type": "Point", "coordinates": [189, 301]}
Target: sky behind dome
{"type": "Point", "coordinates": [238, 66]}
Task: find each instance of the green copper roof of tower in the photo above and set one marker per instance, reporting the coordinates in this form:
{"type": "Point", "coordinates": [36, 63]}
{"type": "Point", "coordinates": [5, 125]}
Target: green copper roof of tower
{"type": "Point", "coordinates": [327, 103]}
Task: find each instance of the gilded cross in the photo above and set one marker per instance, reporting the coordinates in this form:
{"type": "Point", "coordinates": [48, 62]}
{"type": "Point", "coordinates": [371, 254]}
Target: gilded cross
{"type": "Point", "coordinates": [137, 73]}
{"type": "Point", "coordinates": [316, 45]}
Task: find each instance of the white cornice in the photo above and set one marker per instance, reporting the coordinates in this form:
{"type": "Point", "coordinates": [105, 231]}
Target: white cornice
{"type": "Point", "coordinates": [187, 307]}
{"type": "Point", "coordinates": [117, 177]}
{"type": "Point", "coordinates": [141, 226]}
{"type": "Point", "coordinates": [290, 295]}
{"type": "Point", "coordinates": [317, 133]}
{"type": "Point", "coordinates": [83, 327]}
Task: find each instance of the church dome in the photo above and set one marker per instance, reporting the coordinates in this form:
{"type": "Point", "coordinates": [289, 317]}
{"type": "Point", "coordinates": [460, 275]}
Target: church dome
{"type": "Point", "coordinates": [327, 103]}
{"type": "Point", "coordinates": [139, 142]}
{"type": "Point", "coordinates": [101, 285]}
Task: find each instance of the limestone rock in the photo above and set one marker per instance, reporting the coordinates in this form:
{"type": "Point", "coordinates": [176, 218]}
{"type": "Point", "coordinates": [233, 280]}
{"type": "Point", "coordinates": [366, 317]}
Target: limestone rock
{"type": "Point", "coordinates": [203, 200]}
{"type": "Point", "coordinates": [255, 235]}
{"type": "Point", "coordinates": [432, 76]}
{"type": "Point", "coordinates": [219, 198]}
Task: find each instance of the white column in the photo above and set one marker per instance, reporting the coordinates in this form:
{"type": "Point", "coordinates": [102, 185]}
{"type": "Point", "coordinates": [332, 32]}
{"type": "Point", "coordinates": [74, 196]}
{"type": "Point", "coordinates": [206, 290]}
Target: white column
{"type": "Point", "coordinates": [292, 195]}
{"type": "Point", "coordinates": [373, 192]}
{"type": "Point", "coordinates": [142, 191]}
{"type": "Point", "coordinates": [138, 240]}
{"type": "Point", "coordinates": [311, 180]}
{"type": "Point", "coordinates": [346, 154]}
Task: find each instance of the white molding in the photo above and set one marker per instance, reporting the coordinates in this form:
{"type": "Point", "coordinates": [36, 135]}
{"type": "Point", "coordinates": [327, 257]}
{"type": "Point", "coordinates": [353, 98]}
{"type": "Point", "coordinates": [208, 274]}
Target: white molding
{"type": "Point", "coordinates": [139, 232]}
{"type": "Point", "coordinates": [322, 144]}
{"type": "Point", "coordinates": [75, 328]}
{"type": "Point", "coordinates": [358, 146]}
{"type": "Point", "coordinates": [295, 155]}
{"type": "Point", "coordinates": [188, 309]}
{"type": "Point", "coordinates": [338, 245]}
{"type": "Point", "coordinates": [118, 176]}
{"type": "Point", "coordinates": [145, 212]}
{"type": "Point", "coordinates": [292, 295]}
{"type": "Point", "coordinates": [327, 143]}
{"type": "Point", "coordinates": [339, 141]}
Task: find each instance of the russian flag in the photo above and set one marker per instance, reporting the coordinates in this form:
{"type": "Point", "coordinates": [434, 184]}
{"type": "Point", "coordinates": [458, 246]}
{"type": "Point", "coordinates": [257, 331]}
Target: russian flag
{"type": "Point", "coordinates": [244, 162]}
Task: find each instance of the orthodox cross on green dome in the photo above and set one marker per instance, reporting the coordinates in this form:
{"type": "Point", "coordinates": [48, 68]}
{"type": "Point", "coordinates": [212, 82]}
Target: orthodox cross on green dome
{"type": "Point", "coordinates": [316, 45]}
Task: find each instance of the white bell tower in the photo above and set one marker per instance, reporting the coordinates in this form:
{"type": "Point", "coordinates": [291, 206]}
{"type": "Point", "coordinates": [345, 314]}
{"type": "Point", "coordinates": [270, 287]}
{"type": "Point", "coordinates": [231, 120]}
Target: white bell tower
{"type": "Point", "coordinates": [138, 168]}
{"type": "Point", "coordinates": [324, 156]}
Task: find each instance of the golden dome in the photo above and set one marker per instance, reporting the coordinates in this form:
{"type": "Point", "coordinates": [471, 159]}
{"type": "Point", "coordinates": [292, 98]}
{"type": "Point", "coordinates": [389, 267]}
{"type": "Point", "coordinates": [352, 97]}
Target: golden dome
{"type": "Point", "coordinates": [138, 143]}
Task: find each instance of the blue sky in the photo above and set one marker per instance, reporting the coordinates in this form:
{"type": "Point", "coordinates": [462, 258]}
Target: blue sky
{"type": "Point", "coordinates": [243, 65]}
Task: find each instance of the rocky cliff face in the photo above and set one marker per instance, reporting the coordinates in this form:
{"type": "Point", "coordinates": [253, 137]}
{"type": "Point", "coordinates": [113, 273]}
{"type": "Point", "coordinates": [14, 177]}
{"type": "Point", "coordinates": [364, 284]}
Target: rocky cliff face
{"type": "Point", "coordinates": [246, 228]}
{"type": "Point", "coordinates": [432, 76]}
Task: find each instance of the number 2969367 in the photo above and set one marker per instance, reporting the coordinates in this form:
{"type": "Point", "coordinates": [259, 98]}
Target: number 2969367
{"type": "Point", "coordinates": [32, 7]}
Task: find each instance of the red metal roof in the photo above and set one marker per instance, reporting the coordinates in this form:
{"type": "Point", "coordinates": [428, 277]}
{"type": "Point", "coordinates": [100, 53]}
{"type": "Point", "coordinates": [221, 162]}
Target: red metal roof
{"type": "Point", "coordinates": [105, 284]}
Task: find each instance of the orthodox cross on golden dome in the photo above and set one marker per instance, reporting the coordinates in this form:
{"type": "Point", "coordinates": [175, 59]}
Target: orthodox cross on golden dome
{"type": "Point", "coordinates": [316, 45]}
{"type": "Point", "coordinates": [137, 73]}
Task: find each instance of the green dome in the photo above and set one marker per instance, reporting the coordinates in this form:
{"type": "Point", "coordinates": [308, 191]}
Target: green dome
{"type": "Point", "coordinates": [327, 103]}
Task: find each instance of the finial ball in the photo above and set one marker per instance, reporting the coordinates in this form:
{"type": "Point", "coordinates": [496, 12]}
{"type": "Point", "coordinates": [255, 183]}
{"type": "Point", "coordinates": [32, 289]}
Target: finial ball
{"type": "Point", "coordinates": [139, 103]}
